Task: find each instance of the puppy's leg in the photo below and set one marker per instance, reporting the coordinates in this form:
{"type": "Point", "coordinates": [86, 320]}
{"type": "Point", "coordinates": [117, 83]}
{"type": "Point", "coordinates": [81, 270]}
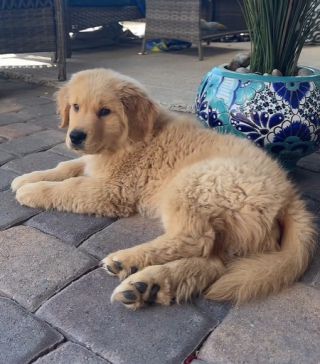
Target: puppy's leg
{"type": "Point", "coordinates": [64, 170]}
{"type": "Point", "coordinates": [83, 195]}
{"type": "Point", "coordinates": [164, 249]}
{"type": "Point", "coordinates": [179, 280]}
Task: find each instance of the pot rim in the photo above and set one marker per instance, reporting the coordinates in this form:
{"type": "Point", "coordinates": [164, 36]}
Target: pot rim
{"type": "Point", "coordinates": [222, 71]}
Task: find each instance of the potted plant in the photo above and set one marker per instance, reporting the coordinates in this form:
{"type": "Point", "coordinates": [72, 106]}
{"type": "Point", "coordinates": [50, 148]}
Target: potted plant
{"type": "Point", "coordinates": [264, 95]}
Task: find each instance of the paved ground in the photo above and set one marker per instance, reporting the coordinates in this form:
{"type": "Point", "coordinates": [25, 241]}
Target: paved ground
{"type": "Point", "coordinates": [54, 298]}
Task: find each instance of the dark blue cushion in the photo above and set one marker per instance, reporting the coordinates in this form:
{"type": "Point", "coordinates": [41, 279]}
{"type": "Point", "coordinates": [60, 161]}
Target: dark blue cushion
{"type": "Point", "coordinates": [101, 3]}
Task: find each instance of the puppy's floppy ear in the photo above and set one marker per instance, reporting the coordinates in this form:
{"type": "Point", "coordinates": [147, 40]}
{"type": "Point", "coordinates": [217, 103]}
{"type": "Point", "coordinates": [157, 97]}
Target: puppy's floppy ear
{"type": "Point", "coordinates": [140, 110]}
{"type": "Point", "coordinates": [63, 107]}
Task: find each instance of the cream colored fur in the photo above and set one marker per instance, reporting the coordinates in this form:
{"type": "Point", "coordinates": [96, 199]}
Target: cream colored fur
{"type": "Point", "coordinates": [235, 226]}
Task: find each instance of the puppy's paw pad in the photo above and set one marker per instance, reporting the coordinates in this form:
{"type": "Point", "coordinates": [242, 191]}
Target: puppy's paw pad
{"type": "Point", "coordinates": [115, 267]}
{"type": "Point", "coordinates": [137, 292]}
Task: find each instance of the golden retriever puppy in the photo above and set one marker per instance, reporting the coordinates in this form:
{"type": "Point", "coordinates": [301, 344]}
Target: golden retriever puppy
{"type": "Point", "coordinates": [235, 227]}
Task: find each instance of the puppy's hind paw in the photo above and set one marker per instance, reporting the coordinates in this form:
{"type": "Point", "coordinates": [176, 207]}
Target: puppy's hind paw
{"type": "Point", "coordinates": [142, 289]}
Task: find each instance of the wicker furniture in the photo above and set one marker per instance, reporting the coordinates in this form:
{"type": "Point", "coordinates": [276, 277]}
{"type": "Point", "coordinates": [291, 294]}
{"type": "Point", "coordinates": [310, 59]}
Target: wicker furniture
{"type": "Point", "coordinates": [34, 26]}
{"type": "Point", "coordinates": [85, 14]}
{"type": "Point", "coordinates": [180, 20]}
{"type": "Point", "coordinates": [314, 37]}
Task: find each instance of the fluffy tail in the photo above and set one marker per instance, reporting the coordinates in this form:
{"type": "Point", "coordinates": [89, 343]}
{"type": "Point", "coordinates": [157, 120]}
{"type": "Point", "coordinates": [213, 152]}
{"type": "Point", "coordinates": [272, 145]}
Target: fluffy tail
{"type": "Point", "coordinates": [259, 275]}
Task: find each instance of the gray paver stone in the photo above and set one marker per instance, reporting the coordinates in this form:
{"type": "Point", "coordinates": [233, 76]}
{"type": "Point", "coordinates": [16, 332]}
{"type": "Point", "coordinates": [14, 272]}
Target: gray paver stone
{"type": "Point", "coordinates": [311, 162]}
{"type": "Point", "coordinates": [5, 157]}
{"type": "Point", "coordinates": [49, 122]}
{"type": "Point", "coordinates": [313, 205]}
{"type": "Point", "coordinates": [34, 100]}
{"type": "Point", "coordinates": [43, 110]}
{"type": "Point", "coordinates": [6, 177]}
{"type": "Point", "coordinates": [22, 335]}
{"type": "Point", "coordinates": [68, 227]}
{"type": "Point", "coordinates": [18, 130]}
{"type": "Point", "coordinates": [35, 162]}
{"type": "Point", "coordinates": [32, 143]}
{"type": "Point", "coordinates": [122, 234]}
{"type": "Point", "coordinates": [62, 149]}
{"type": "Point", "coordinates": [312, 275]}
{"type": "Point", "coordinates": [307, 181]}
{"type": "Point", "coordinates": [217, 310]}
{"type": "Point", "coordinates": [284, 328]}
{"type": "Point", "coordinates": [15, 117]}
{"type": "Point", "coordinates": [16, 86]}
{"type": "Point", "coordinates": [157, 335]}
{"type": "Point", "coordinates": [34, 265]}
{"type": "Point", "coordinates": [12, 212]}
{"type": "Point", "coordinates": [70, 353]}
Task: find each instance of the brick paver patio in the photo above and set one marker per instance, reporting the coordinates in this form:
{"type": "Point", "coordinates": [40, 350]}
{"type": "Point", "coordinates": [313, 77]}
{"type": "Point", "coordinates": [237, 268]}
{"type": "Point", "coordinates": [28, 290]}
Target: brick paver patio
{"type": "Point", "coordinates": [55, 300]}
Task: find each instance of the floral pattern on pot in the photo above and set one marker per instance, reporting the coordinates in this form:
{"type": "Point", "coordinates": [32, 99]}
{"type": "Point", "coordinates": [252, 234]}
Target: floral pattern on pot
{"type": "Point", "coordinates": [279, 114]}
{"type": "Point", "coordinates": [247, 91]}
{"type": "Point", "coordinates": [292, 92]}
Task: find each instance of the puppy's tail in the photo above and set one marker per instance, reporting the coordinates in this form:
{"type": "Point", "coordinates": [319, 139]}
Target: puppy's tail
{"type": "Point", "coordinates": [259, 275]}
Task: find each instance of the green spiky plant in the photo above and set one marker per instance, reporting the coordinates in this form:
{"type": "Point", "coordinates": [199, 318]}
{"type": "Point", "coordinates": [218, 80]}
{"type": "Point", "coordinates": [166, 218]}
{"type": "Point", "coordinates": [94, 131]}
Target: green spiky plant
{"type": "Point", "coordinates": [278, 31]}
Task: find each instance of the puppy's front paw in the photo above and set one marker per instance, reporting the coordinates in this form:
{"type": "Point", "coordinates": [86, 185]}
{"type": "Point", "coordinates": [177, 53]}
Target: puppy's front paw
{"type": "Point", "coordinates": [121, 264]}
{"type": "Point", "coordinates": [24, 180]}
{"type": "Point", "coordinates": [34, 195]}
{"type": "Point", "coordinates": [19, 182]}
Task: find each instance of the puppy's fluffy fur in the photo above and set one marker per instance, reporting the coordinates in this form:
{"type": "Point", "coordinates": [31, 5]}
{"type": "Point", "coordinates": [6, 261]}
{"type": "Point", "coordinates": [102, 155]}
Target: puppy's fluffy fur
{"type": "Point", "coordinates": [235, 227]}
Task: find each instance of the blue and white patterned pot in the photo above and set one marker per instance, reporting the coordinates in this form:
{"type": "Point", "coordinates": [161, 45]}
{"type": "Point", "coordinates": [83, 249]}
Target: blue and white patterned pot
{"type": "Point", "coordinates": [280, 114]}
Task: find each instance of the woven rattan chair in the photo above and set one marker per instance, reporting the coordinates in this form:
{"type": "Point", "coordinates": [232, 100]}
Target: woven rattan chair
{"type": "Point", "coordinates": [180, 20]}
{"type": "Point", "coordinates": [84, 14]}
{"type": "Point", "coordinates": [34, 26]}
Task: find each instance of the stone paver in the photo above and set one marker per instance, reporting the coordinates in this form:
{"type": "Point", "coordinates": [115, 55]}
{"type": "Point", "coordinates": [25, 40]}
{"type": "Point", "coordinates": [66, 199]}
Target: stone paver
{"type": "Point", "coordinates": [313, 205]}
{"type": "Point", "coordinates": [70, 228]}
{"type": "Point", "coordinates": [15, 117]}
{"type": "Point", "coordinates": [84, 312]}
{"type": "Point", "coordinates": [307, 181]}
{"type": "Point", "coordinates": [49, 122]}
{"type": "Point", "coordinates": [32, 143]}
{"type": "Point", "coordinates": [70, 353]}
{"type": "Point", "coordinates": [122, 234]}
{"type": "Point", "coordinates": [312, 275]}
{"type": "Point", "coordinates": [62, 149]}
{"type": "Point", "coordinates": [18, 130]}
{"type": "Point", "coordinates": [35, 162]}
{"type": "Point", "coordinates": [6, 177]}
{"type": "Point", "coordinates": [281, 329]}
{"type": "Point", "coordinates": [23, 337]}
{"type": "Point", "coordinates": [12, 212]}
{"type": "Point", "coordinates": [5, 157]}
{"type": "Point", "coordinates": [34, 265]}
{"type": "Point", "coordinates": [42, 110]}
{"type": "Point", "coordinates": [217, 310]}
{"type": "Point", "coordinates": [34, 100]}
{"type": "Point", "coordinates": [311, 163]}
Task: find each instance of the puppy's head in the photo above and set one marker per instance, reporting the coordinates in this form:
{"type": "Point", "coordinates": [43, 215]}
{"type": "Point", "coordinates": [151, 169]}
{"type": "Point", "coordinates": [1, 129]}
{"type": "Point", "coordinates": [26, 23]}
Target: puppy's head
{"type": "Point", "coordinates": [104, 111]}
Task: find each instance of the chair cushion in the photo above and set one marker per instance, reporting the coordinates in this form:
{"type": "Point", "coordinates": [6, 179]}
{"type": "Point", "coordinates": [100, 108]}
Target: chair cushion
{"type": "Point", "coordinates": [101, 3]}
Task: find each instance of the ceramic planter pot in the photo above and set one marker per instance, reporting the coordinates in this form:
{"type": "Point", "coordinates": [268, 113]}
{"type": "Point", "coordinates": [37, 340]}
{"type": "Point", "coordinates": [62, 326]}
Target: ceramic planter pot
{"type": "Point", "coordinates": [279, 114]}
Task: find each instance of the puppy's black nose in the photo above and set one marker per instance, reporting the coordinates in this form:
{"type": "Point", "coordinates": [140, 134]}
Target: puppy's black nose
{"type": "Point", "coordinates": [77, 137]}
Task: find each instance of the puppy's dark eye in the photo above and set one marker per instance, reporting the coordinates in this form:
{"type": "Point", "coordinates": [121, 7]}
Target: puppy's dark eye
{"type": "Point", "coordinates": [76, 107]}
{"type": "Point", "coordinates": [104, 112]}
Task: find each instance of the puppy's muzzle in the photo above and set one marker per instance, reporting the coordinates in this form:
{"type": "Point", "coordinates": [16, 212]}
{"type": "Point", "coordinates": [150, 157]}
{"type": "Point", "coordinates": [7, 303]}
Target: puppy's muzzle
{"type": "Point", "coordinates": [77, 138]}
